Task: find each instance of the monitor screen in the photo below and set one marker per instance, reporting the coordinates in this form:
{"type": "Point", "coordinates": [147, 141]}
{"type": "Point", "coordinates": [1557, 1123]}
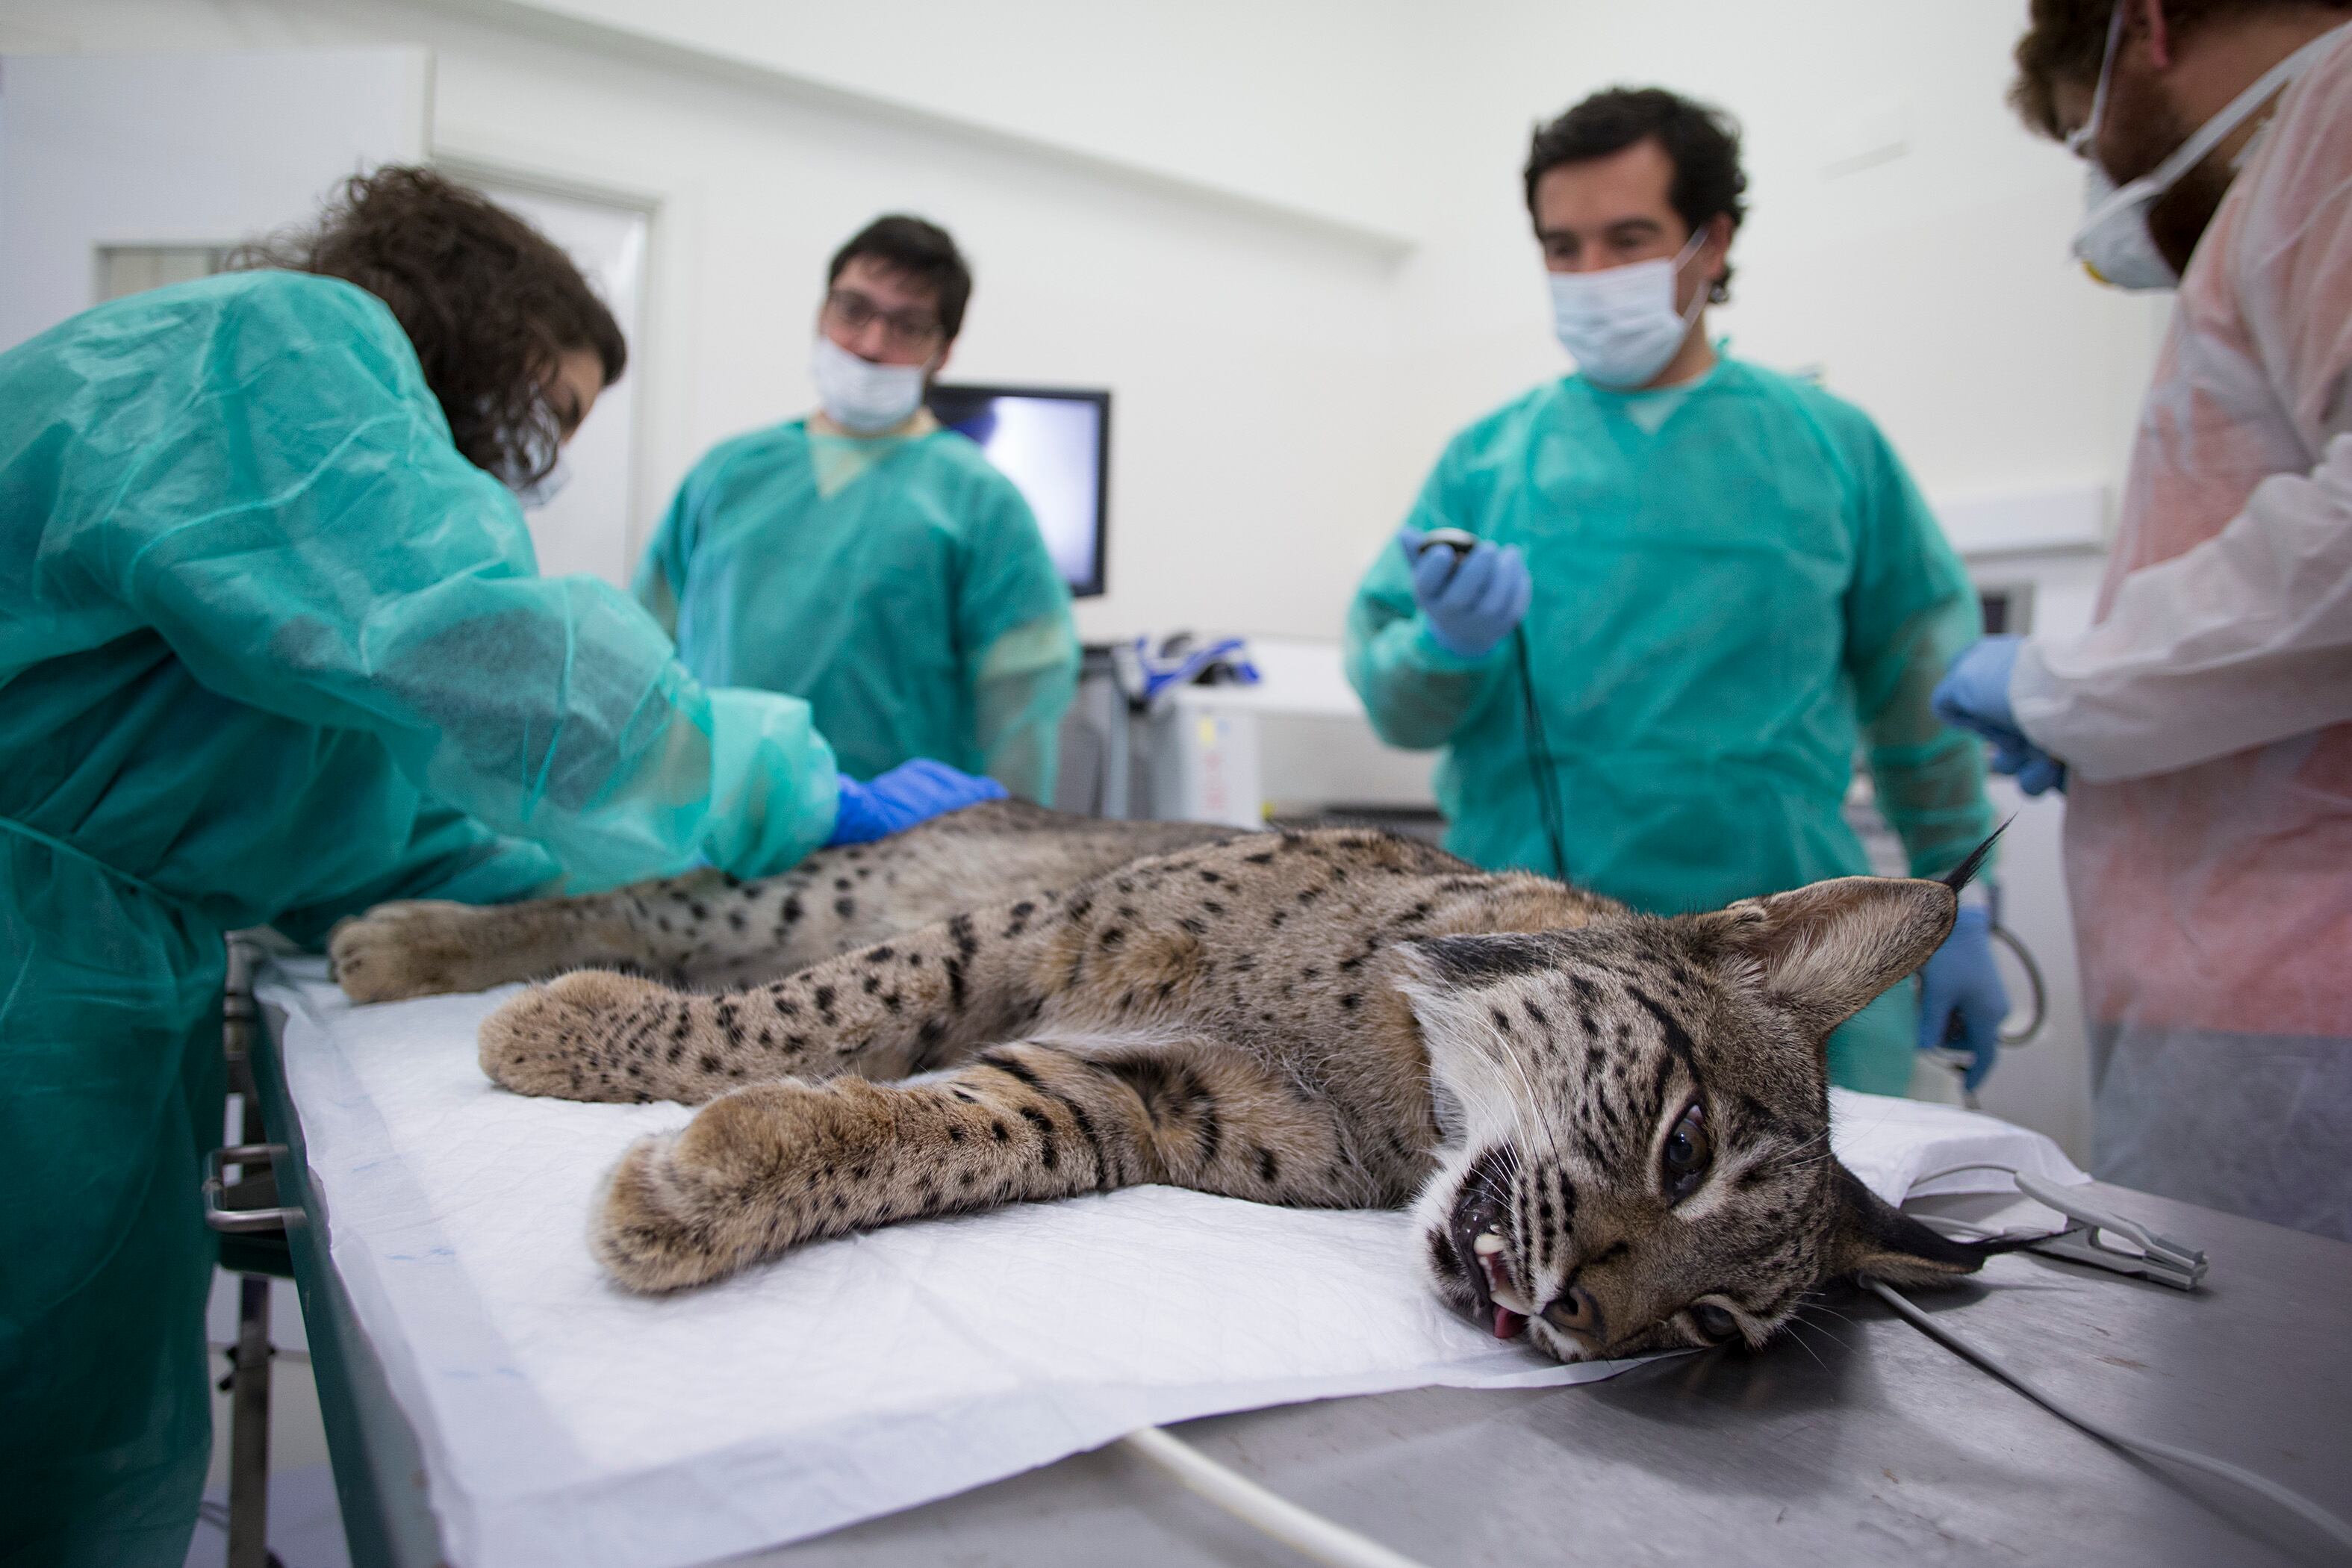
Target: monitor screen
{"type": "Point", "coordinates": [1055, 445]}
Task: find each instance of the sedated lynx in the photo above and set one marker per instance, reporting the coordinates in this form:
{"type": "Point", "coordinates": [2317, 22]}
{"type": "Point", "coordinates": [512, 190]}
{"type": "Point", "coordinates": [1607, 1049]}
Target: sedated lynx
{"type": "Point", "coordinates": [1613, 1128]}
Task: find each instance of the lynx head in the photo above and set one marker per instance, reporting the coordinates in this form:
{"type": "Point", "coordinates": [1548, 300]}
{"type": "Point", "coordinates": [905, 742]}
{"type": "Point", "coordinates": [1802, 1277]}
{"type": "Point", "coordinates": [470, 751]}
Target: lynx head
{"type": "Point", "coordinates": [1636, 1115]}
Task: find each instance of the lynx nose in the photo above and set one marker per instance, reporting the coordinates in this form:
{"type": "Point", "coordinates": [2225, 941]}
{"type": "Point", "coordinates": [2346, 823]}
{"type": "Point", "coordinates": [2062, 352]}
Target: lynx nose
{"type": "Point", "coordinates": [1576, 1313]}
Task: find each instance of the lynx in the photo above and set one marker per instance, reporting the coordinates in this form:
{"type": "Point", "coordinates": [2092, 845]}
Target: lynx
{"type": "Point", "coordinates": [1612, 1128]}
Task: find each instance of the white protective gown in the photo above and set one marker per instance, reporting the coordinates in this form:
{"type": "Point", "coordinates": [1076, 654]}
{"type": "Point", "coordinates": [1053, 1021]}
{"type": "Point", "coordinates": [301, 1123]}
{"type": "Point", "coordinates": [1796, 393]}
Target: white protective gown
{"type": "Point", "coordinates": [2207, 714]}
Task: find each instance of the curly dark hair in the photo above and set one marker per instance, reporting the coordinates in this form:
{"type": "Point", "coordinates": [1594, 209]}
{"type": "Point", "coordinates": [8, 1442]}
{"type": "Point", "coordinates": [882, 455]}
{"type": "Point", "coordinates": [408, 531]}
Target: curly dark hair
{"type": "Point", "coordinates": [2064, 40]}
{"type": "Point", "coordinates": [1702, 143]}
{"type": "Point", "coordinates": [488, 302]}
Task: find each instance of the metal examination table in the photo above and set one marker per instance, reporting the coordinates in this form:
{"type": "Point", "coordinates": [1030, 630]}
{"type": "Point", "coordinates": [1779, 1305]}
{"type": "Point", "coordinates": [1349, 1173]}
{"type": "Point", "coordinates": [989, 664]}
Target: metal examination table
{"type": "Point", "coordinates": [1854, 1439]}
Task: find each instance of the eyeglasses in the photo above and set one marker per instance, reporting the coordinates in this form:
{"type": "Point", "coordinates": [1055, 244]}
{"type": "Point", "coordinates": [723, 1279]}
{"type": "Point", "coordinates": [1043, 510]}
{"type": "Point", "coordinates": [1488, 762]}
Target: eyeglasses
{"type": "Point", "coordinates": [910, 332]}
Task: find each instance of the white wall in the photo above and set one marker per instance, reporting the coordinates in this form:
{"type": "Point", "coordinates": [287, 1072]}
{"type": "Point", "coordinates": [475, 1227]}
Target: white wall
{"type": "Point", "coordinates": [1931, 284]}
{"type": "Point", "coordinates": [119, 154]}
{"type": "Point", "coordinates": [1247, 348]}
{"type": "Point", "coordinates": [1184, 92]}
{"type": "Point", "coordinates": [1289, 236]}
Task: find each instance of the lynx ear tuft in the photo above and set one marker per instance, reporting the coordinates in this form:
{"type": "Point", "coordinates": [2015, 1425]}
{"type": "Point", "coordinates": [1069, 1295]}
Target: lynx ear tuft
{"type": "Point", "coordinates": [1962, 875]}
{"type": "Point", "coordinates": [1825, 952]}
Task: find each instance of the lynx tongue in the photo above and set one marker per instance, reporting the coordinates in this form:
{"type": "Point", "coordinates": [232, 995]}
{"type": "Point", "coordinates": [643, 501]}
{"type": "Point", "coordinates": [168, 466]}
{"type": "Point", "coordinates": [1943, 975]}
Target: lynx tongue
{"type": "Point", "coordinates": [1509, 1322]}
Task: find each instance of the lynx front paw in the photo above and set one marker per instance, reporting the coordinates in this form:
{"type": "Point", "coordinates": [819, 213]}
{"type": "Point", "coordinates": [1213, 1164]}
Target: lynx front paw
{"type": "Point", "coordinates": [424, 948]}
{"type": "Point", "coordinates": [756, 1172]}
{"type": "Point", "coordinates": [566, 1038]}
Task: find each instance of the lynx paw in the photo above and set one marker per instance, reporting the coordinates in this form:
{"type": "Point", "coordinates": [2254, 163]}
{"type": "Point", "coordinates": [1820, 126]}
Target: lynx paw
{"type": "Point", "coordinates": [756, 1172]}
{"type": "Point", "coordinates": [562, 1039]}
{"type": "Point", "coordinates": [424, 948]}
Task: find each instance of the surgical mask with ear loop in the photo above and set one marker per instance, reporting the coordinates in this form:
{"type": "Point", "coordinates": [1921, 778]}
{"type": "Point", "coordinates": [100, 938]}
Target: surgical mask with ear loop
{"type": "Point", "coordinates": [861, 396]}
{"type": "Point", "coordinates": [2114, 243]}
{"type": "Point", "coordinates": [1622, 325]}
{"type": "Point", "coordinates": [536, 494]}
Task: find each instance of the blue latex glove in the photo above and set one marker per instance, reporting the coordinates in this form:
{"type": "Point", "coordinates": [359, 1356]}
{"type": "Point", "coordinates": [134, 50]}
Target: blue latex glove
{"type": "Point", "coordinates": [1472, 606]}
{"type": "Point", "coordinates": [1961, 998]}
{"type": "Point", "coordinates": [2036, 770]}
{"type": "Point", "coordinates": [909, 793]}
{"type": "Point", "coordinates": [1974, 695]}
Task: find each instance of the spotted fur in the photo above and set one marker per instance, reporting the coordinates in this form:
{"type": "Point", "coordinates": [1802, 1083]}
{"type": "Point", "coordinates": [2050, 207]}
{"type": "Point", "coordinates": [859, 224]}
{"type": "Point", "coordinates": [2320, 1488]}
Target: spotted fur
{"type": "Point", "coordinates": [1613, 1129]}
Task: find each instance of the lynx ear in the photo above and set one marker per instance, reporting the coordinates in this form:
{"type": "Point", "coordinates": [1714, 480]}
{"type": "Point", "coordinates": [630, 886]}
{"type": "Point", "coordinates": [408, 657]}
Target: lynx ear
{"type": "Point", "coordinates": [1870, 1236]}
{"type": "Point", "coordinates": [1826, 951]}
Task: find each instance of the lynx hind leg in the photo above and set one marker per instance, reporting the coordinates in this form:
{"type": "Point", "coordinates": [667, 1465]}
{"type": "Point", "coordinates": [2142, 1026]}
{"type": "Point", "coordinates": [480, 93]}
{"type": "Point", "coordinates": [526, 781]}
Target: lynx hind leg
{"type": "Point", "coordinates": [432, 947]}
{"type": "Point", "coordinates": [923, 1000]}
{"type": "Point", "coordinates": [702, 929]}
{"type": "Point", "coordinates": [770, 1167]}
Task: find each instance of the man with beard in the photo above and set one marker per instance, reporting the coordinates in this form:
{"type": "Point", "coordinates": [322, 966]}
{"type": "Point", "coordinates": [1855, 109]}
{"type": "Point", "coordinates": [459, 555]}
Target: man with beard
{"type": "Point", "coordinates": [2204, 721]}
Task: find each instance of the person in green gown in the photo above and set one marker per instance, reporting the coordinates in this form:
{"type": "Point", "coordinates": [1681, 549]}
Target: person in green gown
{"type": "Point", "coordinates": [869, 561]}
{"type": "Point", "coordinates": [1713, 586]}
{"type": "Point", "coordinates": [273, 648]}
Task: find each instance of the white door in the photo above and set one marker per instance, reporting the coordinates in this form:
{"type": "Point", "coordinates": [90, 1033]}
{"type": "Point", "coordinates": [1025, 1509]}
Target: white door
{"type": "Point", "coordinates": [586, 527]}
{"type": "Point", "coordinates": [117, 167]}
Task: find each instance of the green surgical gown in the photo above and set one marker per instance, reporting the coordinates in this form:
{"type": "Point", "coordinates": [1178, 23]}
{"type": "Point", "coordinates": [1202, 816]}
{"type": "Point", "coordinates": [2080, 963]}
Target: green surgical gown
{"type": "Point", "coordinates": [1737, 588]}
{"type": "Point", "coordinates": [898, 585]}
{"type": "Point", "coordinates": [270, 649]}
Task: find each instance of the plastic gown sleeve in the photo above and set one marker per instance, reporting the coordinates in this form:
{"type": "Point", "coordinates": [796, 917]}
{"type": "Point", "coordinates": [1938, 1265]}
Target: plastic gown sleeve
{"type": "Point", "coordinates": [2243, 640]}
{"type": "Point", "coordinates": [1025, 683]}
{"type": "Point", "coordinates": [314, 545]}
{"type": "Point", "coordinates": [2246, 637]}
{"type": "Point", "coordinates": [1022, 676]}
{"type": "Point", "coordinates": [1909, 610]}
{"type": "Point", "coordinates": [1417, 693]}
{"type": "Point", "coordinates": [661, 573]}
{"type": "Point", "coordinates": [448, 855]}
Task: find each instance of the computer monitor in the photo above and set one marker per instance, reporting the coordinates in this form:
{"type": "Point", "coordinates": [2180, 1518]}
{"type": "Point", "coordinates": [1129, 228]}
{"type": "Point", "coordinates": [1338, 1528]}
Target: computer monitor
{"type": "Point", "coordinates": [1053, 444]}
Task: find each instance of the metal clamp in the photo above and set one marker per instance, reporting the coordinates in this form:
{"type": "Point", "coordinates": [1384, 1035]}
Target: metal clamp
{"type": "Point", "coordinates": [218, 1215]}
{"type": "Point", "coordinates": [2157, 1258]}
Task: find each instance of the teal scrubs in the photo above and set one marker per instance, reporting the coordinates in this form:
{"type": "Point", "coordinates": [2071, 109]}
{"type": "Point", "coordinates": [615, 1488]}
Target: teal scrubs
{"type": "Point", "coordinates": [1737, 590]}
{"type": "Point", "coordinates": [270, 650]}
{"type": "Point", "coordinates": [898, 584]}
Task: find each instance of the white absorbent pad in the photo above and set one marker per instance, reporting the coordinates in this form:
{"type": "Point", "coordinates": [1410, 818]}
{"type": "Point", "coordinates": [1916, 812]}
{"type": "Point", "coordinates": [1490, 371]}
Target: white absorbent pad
{"type": "Point", "coordinates": [565, 1422]}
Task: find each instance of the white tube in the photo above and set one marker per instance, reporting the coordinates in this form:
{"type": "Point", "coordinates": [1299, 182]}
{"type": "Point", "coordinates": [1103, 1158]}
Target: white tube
{"type": "Point", "coordinates": [1309, 1534]}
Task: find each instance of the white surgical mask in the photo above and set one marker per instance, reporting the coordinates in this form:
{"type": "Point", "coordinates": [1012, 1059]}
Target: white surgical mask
{"type": "Point", "coordinates": [1621, 324]}
{"type": "Point", "coordinates": [2113, 242]}
{"type": "Point", "coordinates": [539, 492]}
{"type": "Point", "coordinates": [861, 396]}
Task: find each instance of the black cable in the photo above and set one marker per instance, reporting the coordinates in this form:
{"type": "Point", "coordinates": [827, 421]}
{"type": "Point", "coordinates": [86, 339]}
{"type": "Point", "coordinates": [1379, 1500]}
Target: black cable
{"type": "Point", "coordinates": [1459, 544]}
{"type": "Point", "coordinates": [1539, 757]}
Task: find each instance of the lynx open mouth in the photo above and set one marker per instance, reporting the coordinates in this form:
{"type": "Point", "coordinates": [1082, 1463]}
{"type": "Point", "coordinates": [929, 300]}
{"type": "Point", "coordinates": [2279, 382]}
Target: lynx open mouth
{"type": "Point", "coordinates": [1476, 1233]}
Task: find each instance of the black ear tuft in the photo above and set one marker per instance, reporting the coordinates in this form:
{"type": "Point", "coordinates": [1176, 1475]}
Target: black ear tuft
{"type": "Point", "coordinates": [1962, 875]}
{"type": "Point", "coordinates": [1872, 1235]}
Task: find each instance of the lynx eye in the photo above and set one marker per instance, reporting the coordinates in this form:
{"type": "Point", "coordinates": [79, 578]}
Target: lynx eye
{"type": "Point", "coordinates": [1715, 1323]}
{"type": "Point", "coordinates": [1688, 1154]}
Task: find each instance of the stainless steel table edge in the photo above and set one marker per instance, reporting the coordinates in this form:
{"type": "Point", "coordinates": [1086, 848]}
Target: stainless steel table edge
{"type": "Point", "coordinates": [379, 1468]}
